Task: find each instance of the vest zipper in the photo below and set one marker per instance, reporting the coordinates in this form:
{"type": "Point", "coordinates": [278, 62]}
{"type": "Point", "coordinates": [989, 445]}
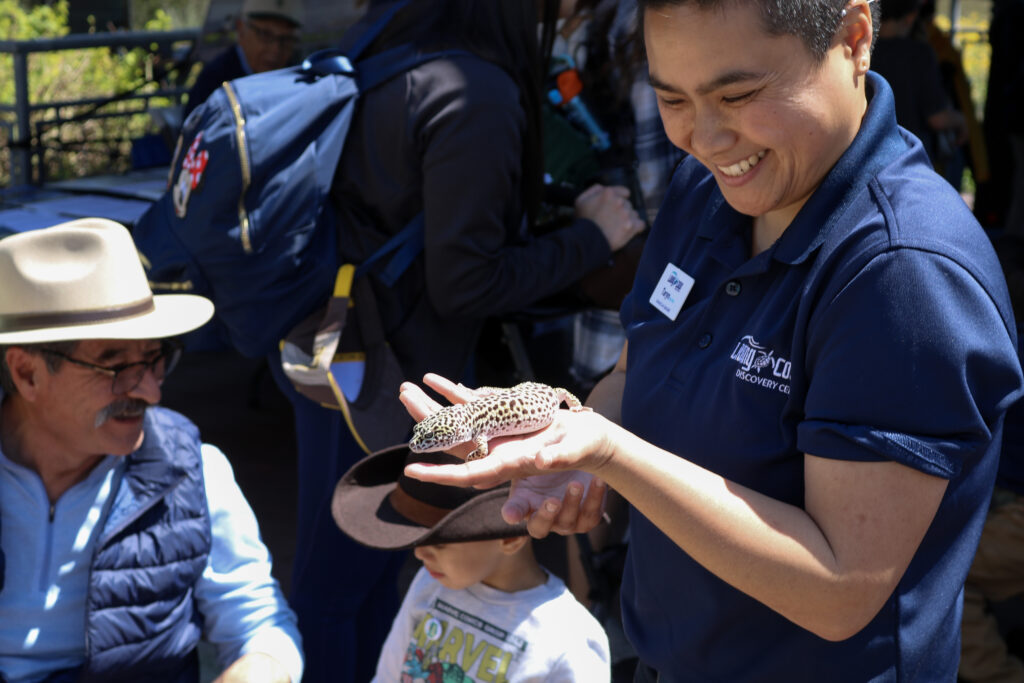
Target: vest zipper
{"type": "Point", "coordinates": [243, 159]}
{"type": "Point", "coordinates": [44, 575]}
{"type": "Point", "coordinates": [87, 612]}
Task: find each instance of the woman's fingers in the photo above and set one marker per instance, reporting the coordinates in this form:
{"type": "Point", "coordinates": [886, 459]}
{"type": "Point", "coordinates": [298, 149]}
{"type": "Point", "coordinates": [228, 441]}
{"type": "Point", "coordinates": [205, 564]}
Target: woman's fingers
{"type": "Point", "coordinates": [416, 401]}
{"type": "Point", "coordinates": [592, 508]}
{"type": "Point", "coordinates": [456, 393]}
{"type": "Point", "coordinates": [542, 522]}
{"type": "Point", "coordinates": [483, 473]}
{"type": "Point", "coordinates": [420, 405]}
{"type": "Point", "coordinates": [579, 509]}
{"type": "Point", "coordinates": [564, 521]}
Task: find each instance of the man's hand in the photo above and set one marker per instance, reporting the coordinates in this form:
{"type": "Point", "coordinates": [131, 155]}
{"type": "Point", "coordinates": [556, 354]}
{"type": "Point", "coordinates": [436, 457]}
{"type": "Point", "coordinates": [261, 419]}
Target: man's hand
{"type": "Point", "coordinates": [610, 210]}
{"type": "Point", "coordinates": [254, 667]}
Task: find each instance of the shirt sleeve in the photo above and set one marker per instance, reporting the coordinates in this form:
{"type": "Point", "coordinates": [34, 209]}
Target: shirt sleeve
{"type": "Point", "coordinates": [585, 653]}
{"type": "Point", "coordinates": [582, 662]}
{"type": "Point", "coordinates": [478, 260]}
{"type": "Point", "coordinates": [931, 401]}
{"type": "Point", "coordinates": [242, 605]}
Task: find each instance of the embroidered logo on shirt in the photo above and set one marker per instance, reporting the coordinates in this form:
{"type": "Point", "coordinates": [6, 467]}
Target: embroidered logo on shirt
{"type": "Point", "coordinates": [759, 365]}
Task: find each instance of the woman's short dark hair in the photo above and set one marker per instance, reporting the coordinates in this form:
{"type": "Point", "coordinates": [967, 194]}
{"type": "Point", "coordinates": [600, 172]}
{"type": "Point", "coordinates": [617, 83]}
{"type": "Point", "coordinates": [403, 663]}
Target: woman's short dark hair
{"type": "Point", "coordinates": [814, 22]}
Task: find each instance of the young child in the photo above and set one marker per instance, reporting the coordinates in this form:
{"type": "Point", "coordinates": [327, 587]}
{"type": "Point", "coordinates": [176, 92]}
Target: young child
{"type": "Point", "coordinates": [481, 608]}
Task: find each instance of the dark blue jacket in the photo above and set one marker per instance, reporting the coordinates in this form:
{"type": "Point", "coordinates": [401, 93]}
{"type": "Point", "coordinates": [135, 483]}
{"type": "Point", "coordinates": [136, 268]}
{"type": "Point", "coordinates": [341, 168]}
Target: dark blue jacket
{"type": "Point", "coordinates": [225, 66]}
{"type": "Point", "coordinates": [141, 620]}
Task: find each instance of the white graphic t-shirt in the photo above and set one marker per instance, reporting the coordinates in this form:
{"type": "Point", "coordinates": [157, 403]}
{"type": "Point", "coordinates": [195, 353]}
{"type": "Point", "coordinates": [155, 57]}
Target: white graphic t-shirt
{"type": "Point", "coordinates": [483, 634]}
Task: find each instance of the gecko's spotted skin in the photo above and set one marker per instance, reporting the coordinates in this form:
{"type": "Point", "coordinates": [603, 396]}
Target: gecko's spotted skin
{"type": "Point", "coordinates": [524, 408]}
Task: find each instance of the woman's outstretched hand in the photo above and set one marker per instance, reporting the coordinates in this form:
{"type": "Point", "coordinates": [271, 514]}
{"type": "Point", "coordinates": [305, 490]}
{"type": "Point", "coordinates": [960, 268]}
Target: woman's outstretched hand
{"type": "Point", "coordinates": [549, 490]}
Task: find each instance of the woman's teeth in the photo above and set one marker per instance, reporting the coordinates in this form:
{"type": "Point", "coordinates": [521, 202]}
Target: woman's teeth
{"type": "Point", "coordinates": [743, 166]}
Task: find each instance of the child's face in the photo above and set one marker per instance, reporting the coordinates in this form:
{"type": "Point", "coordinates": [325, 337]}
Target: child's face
{"type": "Point", "coordinates": [460, 565]}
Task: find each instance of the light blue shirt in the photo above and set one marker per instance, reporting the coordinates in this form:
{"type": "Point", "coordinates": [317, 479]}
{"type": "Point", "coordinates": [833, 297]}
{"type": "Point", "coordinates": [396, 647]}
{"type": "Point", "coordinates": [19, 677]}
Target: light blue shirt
{"type": "Point", "coordinates": [49, 549]}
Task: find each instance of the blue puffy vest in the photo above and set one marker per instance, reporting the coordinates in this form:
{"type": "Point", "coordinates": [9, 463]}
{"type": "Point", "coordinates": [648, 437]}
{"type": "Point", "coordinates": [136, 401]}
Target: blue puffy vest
{"type": "Point", "coordinates": [141, 619]}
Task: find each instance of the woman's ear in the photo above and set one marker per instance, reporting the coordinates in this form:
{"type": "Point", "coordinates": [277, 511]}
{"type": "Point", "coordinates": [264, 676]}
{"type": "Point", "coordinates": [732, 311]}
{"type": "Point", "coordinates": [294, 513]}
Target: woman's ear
{"type": "Point", "coordinates": [856, 33]}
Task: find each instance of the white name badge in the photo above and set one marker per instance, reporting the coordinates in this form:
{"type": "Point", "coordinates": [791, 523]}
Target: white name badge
{"type": "Point", "coordinates": [672, 290]}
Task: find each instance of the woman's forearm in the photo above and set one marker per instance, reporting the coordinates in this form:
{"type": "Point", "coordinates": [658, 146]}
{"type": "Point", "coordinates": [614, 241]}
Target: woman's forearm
{"type": "Point", "coordinates": [829, 578]}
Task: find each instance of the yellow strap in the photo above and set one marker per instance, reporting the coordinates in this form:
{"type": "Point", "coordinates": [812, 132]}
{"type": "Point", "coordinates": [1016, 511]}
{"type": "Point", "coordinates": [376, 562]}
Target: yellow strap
{"type": "Point", "coordinates": [343, 282]}
{"type": "Point", "coordinates": [343, 405]}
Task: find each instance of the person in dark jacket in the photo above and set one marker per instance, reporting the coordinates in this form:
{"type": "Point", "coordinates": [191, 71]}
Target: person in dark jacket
{"type": "Point", "coordinates": [912, 69]}
{"type": "Point", "coordinates": [457, 139]}
{"type": "Point", "coordinates": [268, 34]}
{"type": "Point", "coordinates": [124, 539]}
{"type": "Point", "coordinates": [999, 203]}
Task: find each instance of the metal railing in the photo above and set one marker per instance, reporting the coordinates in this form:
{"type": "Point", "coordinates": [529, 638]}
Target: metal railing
{"type": "Point", "coordinates": [25, 145]}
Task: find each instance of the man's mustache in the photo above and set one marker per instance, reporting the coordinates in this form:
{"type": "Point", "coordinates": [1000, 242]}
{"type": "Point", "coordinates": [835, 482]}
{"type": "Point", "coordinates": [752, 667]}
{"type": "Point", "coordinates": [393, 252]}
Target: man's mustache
{"type": "Point", "coordinates": [126, 407]}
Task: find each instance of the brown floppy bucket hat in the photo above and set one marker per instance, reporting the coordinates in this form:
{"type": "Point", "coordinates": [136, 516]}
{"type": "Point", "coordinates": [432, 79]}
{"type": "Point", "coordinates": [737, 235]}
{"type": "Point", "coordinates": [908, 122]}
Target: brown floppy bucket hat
{"type": "Point", "coordinates": [380, 507]}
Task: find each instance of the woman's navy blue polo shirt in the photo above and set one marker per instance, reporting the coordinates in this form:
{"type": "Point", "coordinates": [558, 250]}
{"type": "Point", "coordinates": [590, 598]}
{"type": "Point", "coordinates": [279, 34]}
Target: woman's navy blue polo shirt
{"type": "Point", "coordinates": [878, 327]}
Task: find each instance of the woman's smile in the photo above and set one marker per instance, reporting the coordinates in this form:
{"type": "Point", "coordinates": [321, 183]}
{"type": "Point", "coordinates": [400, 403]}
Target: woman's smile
{"type": "Point", "coordinates": [743, 166]}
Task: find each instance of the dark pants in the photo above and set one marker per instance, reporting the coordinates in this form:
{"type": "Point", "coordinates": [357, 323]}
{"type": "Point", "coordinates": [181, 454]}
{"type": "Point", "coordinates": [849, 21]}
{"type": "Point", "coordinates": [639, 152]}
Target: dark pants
{"type": "Point", "coordinates": [345, 594]}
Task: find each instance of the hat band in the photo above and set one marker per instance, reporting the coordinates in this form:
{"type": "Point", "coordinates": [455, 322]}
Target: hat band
{"type": "Point", "coordinates": [414, 510]}
{"type": "Point", "coordinates": [21, 322]}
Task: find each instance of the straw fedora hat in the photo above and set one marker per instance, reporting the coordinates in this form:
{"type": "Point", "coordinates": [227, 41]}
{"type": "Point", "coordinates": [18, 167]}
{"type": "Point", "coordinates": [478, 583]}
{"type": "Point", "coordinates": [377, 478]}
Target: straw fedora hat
{"type": "Point", "coordinates": [83, 280]}
{"type": "Point", "coordinates": [378, 506]}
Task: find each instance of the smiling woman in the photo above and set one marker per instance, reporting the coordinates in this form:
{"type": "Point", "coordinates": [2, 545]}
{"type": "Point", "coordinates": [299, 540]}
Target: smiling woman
{"type": "Point", "coordinates": [737, 114]}
{"type": "Point", "coordinates": [806, 498]}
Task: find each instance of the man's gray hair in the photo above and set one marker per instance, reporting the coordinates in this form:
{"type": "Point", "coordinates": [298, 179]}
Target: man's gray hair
{"type": "Point", "coordinates": [53, 362]}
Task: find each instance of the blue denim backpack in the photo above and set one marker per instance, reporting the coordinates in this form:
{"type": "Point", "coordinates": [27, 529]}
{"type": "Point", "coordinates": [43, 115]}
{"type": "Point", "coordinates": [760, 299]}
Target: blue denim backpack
{"type": "Point", "coordinates": [246, 219]}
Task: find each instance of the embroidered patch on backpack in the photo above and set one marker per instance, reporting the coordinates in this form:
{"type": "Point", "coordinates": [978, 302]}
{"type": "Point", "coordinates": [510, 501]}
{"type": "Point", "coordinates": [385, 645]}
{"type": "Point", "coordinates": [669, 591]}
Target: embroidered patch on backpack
{"type": "Point", "coordinates": [190, 177]}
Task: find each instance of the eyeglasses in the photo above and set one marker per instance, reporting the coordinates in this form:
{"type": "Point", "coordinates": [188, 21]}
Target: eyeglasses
{"type": "Point", "coordinates": [127, 376]}
{"type": "Point", "coordinates": [284, 41]}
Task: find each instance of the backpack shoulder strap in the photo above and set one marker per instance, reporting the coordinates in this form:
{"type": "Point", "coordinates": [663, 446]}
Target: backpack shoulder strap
{"type": "Point", "coordinates": [372, 71]}
{"type": "Point", "coordinates": [406, 245]}
{"type": "Point", "coordinates": [337, 61]}
{"type": "Point", "coordinates": [384, 66]}
{"type": "Point", "coordinates": [377, 69]}
{"type": "Point", "coordinates": [376, 28]}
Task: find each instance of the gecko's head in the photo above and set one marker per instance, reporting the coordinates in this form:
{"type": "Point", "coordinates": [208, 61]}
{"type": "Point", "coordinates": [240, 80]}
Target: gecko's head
{"type": "Point", "coordinates": [440, 431]}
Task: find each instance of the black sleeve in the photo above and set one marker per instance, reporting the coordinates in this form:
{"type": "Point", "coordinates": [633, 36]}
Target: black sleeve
{"type": "Point", "coordinates": [477, 261]}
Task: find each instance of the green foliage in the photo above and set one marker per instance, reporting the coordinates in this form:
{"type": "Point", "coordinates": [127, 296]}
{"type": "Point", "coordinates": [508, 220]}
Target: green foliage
{"type": "Point", "coordinates": [178, 12]}
{"type": "Point", "coordinates": [73, 147]}
{"type": "Point", "coordinates": [43, 20]}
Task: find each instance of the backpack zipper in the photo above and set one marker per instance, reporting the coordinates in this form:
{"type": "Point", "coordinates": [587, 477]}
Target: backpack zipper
{"type": "Point", "coordinates": [243, 158]}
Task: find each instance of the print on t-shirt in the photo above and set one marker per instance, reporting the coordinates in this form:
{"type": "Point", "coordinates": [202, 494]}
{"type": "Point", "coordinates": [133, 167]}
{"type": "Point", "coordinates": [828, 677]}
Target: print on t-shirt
{"type": "Point", "coordinates": [450, 645]}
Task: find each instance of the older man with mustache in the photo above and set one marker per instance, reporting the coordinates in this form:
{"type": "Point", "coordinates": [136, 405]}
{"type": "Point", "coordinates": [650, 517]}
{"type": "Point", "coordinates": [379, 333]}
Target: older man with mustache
{"type": "Point", "coordinates": [124, 539]}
